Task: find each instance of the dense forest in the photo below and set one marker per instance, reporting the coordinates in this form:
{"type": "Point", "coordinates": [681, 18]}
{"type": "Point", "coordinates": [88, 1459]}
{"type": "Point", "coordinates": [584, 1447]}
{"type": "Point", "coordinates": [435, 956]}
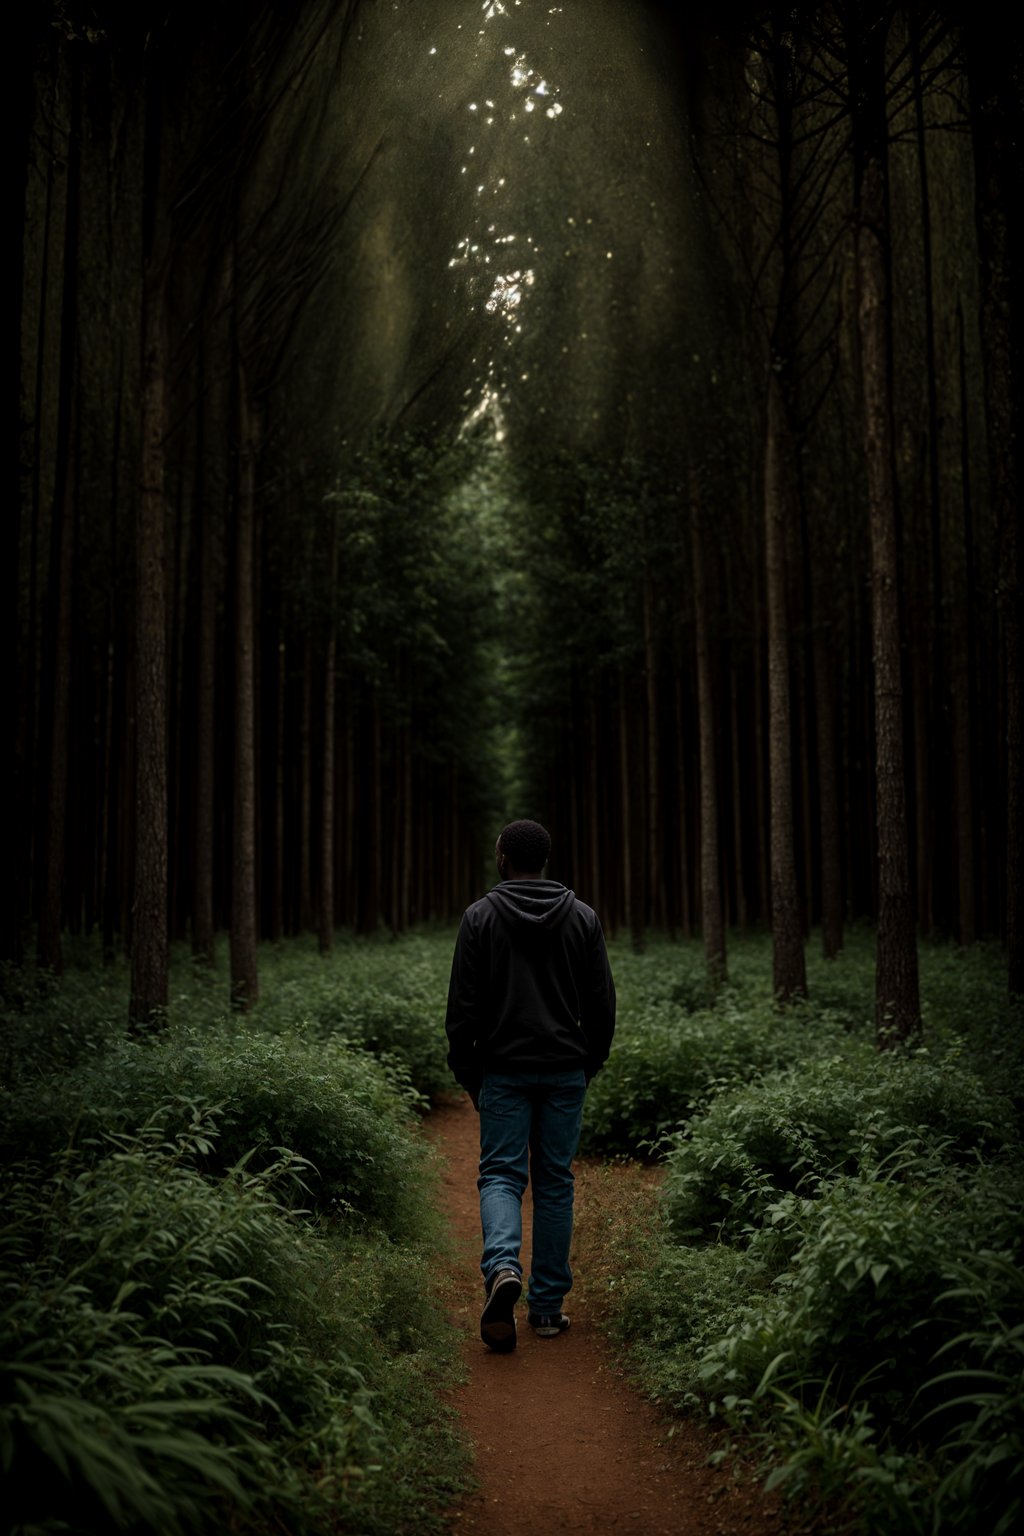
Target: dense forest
{"type": "Point", "coordinates": [689, 524]}
{"type": "Point", "coordinates": [439, 412]}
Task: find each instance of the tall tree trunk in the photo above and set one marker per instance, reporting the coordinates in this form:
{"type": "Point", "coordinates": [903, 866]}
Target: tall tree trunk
{"type": "Point", "coordinates": [306, 790]}
{"type": "Point", "coordinates": [594, 894]}
{"type": "Point", "coordinates": [325, 928]}
{"type": "Point", "coordinates": [405, 899]}
{"type": "Point", "coordinates": [372, 911]}
{"type": "Point", "coordinates": [897, 1007]}
{"type": "Point", "coordinates": [149, 914]}
{"type": "Point", "coordinates": [685, 917]}
{"type": "Point", "coordinates": [712, 925]}
{"type": "Point", "coordinates": [62, 544]}
{"type": "Point", "coordinates": [244, 975]}
{"type": "Point", "coordinates": [761, 811]}
{"type": "Point", "coordinates": [929, 765]}
{"type": "Point", "coordinates": [106, 797]}
{"type": "Point", "coordinates": [655, 834]}
{"type": "Point", "coordinates": [626, 845]}
{"type": "Point", "coordinates": [737, 794]}
{"type": "Point", "coordinates": [206, 678]}
{"type": "Point", "coordinates": [789, 977]}
{"type": "Point", "coordinates": [277, 901]}
{"type": "Point", "coordinates": [828, 805]}
{"type": "Point", "coordinates": [962, 599]}
{"type": "Point", "coordinates": [37, 641]}
{"type": "Point", "coordinates": [999, 194]}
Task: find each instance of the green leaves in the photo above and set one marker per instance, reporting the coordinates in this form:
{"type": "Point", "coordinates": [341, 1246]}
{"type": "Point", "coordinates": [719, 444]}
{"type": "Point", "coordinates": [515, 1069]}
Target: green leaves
{"type": "Point", "coordinates": [839, 1271]}
{"type": "Point", "coordinates": [213, 1312]}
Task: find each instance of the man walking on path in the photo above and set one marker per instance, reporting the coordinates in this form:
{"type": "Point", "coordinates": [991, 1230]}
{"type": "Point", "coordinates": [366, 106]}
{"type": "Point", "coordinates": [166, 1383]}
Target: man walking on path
{"type": "Point", "coordinates": [531, 1014]}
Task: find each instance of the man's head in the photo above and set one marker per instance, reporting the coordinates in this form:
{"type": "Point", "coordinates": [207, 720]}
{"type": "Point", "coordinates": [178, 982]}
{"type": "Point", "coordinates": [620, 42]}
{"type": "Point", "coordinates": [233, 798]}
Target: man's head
{"type": "Point", "coordinates": [522, 850]}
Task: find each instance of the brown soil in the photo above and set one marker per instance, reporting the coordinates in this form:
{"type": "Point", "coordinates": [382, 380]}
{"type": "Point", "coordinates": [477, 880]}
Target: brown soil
{"type": "Point", "coordinates": [562, 1442]}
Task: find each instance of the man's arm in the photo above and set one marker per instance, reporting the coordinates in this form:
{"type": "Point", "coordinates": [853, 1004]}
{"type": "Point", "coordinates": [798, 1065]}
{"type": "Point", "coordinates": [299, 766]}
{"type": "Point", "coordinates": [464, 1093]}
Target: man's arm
{"type": "Point", "coordinates": [463, 1018]}
{"type": "Point", "coordinates": [597, 1015]}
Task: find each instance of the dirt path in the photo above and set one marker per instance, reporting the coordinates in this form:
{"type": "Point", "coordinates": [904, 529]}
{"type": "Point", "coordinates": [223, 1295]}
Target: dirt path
{"type": "Point", "coordinates": [563, 1443]}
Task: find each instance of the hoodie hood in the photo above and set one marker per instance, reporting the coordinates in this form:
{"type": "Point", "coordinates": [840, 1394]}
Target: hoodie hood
{"type": "Point", "coordinates": [530, 906]}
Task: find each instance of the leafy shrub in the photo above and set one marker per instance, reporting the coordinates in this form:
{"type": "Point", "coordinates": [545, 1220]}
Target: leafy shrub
{"type": "Point", "coordinates": [792, 1130]}
{"type": "Point", "coordinates": [337, 1109]}
{"type": "Point", "coordinates": [145, 1347]}
{"type": "Point", "coordinates": [665, 1065]}
{"type": "Point", "coordinates": [978, 1398]}
{"type": "Point", "coordinates": [841, 1353]}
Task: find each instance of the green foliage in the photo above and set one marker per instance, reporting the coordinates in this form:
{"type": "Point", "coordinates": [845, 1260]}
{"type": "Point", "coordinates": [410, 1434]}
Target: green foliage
{"type": "Point", "coordinates": [335, 1108]}
{"type": "Point", "coordinates": [216, 1299]}
{"type": "Point", "coordinates": [792, 1130]}
{"type": "Point", "coordinates": [837, 1270]}
{"type": "Point", "coordinates": [388, 1003]}
{"type": "Point", "coordinates": [156, 1329]}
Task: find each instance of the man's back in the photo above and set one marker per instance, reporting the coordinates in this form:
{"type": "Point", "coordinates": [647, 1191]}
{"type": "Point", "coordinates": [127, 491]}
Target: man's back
{"type": "Point", "coordinates": [531, 986]}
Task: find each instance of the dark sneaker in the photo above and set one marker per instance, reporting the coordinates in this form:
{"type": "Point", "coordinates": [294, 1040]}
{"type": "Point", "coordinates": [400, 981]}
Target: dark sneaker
{"type": "Point", "coordinates": [549, 1327]}
{"type": "Point", "coordinates": [498, 1318]}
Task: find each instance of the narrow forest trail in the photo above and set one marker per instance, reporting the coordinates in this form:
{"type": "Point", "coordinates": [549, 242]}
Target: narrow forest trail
{"type": "Point", "coordinates": [562, 1443]}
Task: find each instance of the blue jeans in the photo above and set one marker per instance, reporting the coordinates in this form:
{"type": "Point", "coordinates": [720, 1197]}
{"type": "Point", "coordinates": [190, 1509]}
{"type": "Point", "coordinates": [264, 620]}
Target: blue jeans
{"type": "Point", "coordinates": [530, 1128]}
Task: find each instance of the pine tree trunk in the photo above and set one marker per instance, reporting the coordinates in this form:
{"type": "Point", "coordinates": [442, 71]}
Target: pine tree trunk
{"type": "Point", "coordinates": [789, 978]}
{"type": "Point", "coordinates": [685, 915]}
{"type": "Point", "coordinates": [625, 817]}
{"type": "Point", "coordinates": [244, 975]}
{"type": "Point", "coordinates": [62, 545]}
{"type": "Point", "coordinates": [761, 811]}
{"type": "Point", "coordinates": [148, 1002]}
{"type": "Point", "coordinates": [999, 195]}
{"type": "Point", "coordinates": [962, 600]}
{"type": "Point", "coordinates": [655, 835]}
{"type": "Point", "coordinates": [737, 795]}
{"type": "Point", "coordinates": [405, 898]}
{"type": "Point", "coordinates": [712, 924]}
{"type": "Point", "coordinates": [372, 911]}
{"type": "Point", "coordinates": [325, 927]}
{"type": "Point", "coordinates": [594, 894]}
{"type": "Point", "coordinates": [897, 1007]}
{"type": "Point", "coordinates": [306, 790]}
{"type": "Point", "coordinates": [277, 902]}
{"type": "Point", "coordinates": [828, 806]}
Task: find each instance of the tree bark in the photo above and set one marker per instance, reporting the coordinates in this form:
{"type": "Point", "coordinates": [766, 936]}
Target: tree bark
{"type": "Point", "coordinates": [655, 876]}
{"type": "Point", "coordinates": [897, 1007]}
{"type": "Point", "coordinates": [325, 927]}
{"type": "Point", "coordinates": [828, 804]}
{"type": "Point", "coordinates": [203, 943]}
{"type": "Point", "coordinates": [306, 790]}
{"type": "Point", "coordinates": [789, 976]}
{"type": "Point", "coordinates": [737, 794]}
{"type": "Point", "coordinates": [244, 974]}
{"type": "Point", "coordinates": [961, 603]}
{"type": "Point", "coordinates": [685, 918]}
{"type": "Point", "coordinates": [62, 544]}
{"type": "Point", "coordinates": [148, 1004]}
{"type": "Point", "coordinates": [712, 925]}
{"type": "Point", "coordinates": [999, 193]}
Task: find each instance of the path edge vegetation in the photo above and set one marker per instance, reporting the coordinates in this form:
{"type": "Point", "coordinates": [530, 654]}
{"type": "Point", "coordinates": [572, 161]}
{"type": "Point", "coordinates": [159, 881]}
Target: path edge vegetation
{"type": "Point", "coordinates": [794, 1152]}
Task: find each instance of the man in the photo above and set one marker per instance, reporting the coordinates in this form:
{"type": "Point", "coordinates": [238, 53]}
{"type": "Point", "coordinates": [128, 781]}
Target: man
{"type": "Point", "coordinates": [531, 1013]}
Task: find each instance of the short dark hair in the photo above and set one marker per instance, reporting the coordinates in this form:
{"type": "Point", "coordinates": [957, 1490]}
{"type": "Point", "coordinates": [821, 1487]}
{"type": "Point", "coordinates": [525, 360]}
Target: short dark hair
{"type": "Point", "coordinates": [526, 845]}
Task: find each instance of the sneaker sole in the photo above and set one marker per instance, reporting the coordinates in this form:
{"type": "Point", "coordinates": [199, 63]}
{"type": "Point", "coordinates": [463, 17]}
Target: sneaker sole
{"type": "Point", "coordinates": [497, 1320]}
{"type": "Point", "coordinates": [551, 1332]}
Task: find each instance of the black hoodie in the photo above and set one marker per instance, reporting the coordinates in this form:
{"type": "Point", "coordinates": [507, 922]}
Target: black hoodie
{"type": "Point", "coordinates": [531, 988]}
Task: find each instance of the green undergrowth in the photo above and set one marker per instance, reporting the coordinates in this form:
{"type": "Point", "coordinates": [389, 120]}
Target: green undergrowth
{"type": "Point", "coordinates": [835, 1270]}
{"type": "Point", "coordinates": [213, 1306]}
{"type": "Point", "coordinates": [217, 1309]}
